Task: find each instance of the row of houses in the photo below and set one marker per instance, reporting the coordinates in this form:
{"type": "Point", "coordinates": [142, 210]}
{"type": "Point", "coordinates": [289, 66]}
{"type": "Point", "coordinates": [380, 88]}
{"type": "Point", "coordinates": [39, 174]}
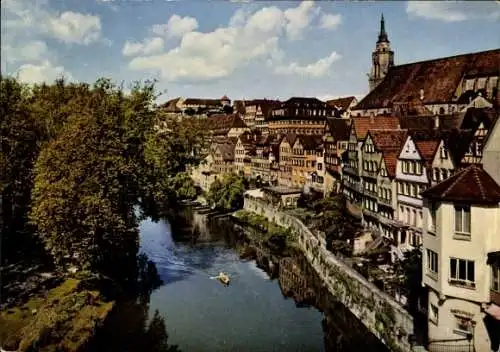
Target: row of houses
{"type": "Point", "coordinates": [429, 182]}
{"type": "Point", "coordinates": [418, 159]}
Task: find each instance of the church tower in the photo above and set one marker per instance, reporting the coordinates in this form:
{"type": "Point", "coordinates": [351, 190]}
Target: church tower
{"type": "Point", "coordinates": [382, 58]}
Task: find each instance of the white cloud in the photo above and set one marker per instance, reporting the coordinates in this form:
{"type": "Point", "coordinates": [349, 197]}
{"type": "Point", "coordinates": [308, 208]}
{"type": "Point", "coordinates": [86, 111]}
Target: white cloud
{"type": "Point", "coordinates": [44, 72]}
{"type": "Point", "coordinates": [176, 26]}
{"type": "Point", "coordinates": [299, 18]}
{"type": "Point", "coordinates": [248, 37]}
{"type": "Point", "coordinates": [449, 11]}
{"type": "Point", "coordinates": [316, 69]}
{"type": "Point", "coordinates": [30, 51]}
{"type": "Point", "coordinates": [330, 21]}
{"type": "Point", "coordinates": [34, 18]}
{"type": "Point", "coordinates": [73, 27]}
{"type": "Point", "coordinates": [147, 47]}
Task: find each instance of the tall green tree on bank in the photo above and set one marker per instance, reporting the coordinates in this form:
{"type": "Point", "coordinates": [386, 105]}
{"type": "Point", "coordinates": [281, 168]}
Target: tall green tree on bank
{"type": "Point", "coordinates": [226, 194]}
{"type": "Point", "coordinates": [177, 144]}
{"type": "Point", "coordinates": [88, 180]}
{"type": "Point", "coordinates": [20, 139]}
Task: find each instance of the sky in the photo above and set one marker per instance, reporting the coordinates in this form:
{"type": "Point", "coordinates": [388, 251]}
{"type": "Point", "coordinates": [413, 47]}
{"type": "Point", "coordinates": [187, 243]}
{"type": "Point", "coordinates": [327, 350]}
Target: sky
{"type": "Point", "coordinates": [242, 49]}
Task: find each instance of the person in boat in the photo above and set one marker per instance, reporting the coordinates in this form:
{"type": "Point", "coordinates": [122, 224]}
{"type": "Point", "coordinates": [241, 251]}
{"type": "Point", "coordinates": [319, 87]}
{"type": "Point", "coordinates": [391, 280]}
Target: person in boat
{"type": "Point", "coordinates": [224, 278]}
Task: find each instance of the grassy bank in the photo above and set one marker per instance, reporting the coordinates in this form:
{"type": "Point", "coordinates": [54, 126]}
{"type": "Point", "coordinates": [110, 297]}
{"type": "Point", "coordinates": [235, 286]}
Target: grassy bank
{"type": "Point", "coordinates": [275, 237]}
{"type": "Point", "coordinates": [64, 319]}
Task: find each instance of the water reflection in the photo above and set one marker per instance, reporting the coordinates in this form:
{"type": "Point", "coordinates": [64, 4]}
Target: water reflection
{"type": "Point", "coordinates": [257, 312]}
{"type": "Point", "coordinates": [298, 281]}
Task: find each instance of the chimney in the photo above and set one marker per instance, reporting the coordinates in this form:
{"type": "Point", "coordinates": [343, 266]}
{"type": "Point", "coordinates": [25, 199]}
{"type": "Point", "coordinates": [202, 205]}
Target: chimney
{"type": "Point", "coordinates": [436, 121]}
{"type": "Point", "coordinates": [421, 94]}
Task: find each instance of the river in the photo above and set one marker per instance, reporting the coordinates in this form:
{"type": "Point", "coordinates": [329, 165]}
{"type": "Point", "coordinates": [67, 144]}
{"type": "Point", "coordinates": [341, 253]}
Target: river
{"type": "Point", "coordinates": [251, 314]}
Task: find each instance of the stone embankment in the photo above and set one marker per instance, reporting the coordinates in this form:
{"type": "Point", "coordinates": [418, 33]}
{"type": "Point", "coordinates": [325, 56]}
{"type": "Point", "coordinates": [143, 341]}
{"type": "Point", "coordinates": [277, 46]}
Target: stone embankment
{"type": "Point", "coordinates": [379, 312]}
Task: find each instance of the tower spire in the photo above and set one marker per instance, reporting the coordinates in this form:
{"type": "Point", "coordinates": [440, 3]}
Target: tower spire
{"type": "Point", "coordinates": [382, 37]}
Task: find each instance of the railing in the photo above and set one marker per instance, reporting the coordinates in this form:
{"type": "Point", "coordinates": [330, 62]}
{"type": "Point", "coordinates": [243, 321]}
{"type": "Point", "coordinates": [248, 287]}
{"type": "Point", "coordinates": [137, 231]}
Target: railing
{"type": "Point", "coordinates": [385, 201]}
{"type": "Point", "coordinates": [369, 193]}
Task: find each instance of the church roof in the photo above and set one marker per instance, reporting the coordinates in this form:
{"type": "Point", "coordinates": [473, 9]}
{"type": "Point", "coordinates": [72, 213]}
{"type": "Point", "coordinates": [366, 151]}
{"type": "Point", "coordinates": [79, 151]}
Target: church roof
{"type": "Point", "coordinates": [471, 185]}
{"type": "Point", "coordinates": [438, 79]}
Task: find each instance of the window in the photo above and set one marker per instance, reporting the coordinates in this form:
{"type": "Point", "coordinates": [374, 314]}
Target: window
{"type": "Point", "coordinates": [432, 261]}
{"type": "Point", "coordinates": [444, 153]}
{"type": "Point", "coordinates": [462, 272]}
{"type": "Point", "coordinates": [419, 169]}
{"type": "Point", "coordinates": [412, 167]}
{"type": "Point", "coordinates": [495, 279]}
{"type": "Point", "coordinates": [462, 220]}
{"type": "Point", "coordinates": [437, 175]}
{"type": "Point", "coordinates": [432, 217]}
{"type": "Point", "coordinates": [444, 174]}
{"type": "Point", "coordinates": [405, 166]}
{"type": "Point", "coordinates": [434, 314]}
{"type": "Point", "coordinates": [464, 326]}
{"type": "Point", "coordinates": [320, 166]}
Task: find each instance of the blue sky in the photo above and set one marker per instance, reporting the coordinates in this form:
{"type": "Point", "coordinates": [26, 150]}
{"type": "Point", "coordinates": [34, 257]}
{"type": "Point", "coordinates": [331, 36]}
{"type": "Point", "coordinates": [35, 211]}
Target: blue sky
{"type": "Point", "coordinates": [241, 49]}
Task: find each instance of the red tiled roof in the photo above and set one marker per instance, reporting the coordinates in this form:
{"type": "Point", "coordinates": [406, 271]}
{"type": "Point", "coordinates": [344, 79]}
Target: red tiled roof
{"type": "Point", "coordinates": [341, 103]}
{"type": "Point", "coordinates": [222, 123]}
{"type": "Point", "coordinates": [389, 142]}
{"type": "Point", "coordinates": [391, 160]}
{"type": "Point", "coordinates": [385, 140]}
{"type": "Point", "coordinates": [339, 129]}
{"type": "Point", "coordinates": [291, 137]}
{"type": "Point", "coordinates": [471, 185]}
{"type": "Point", "coordinates": [171, 105]}
{"type": "Point", "coordinates": [363, 124]}
{"type": "Point", "coordinates": [310, 142]}
{"type": "Point", "coordinates": [428, 122]}
{"type": "Point", "coordinates": [437, 78]}
{"type": "Point", "coordinates": [427, 149]}
{"type": "Point", "coordinates": [226, 148]}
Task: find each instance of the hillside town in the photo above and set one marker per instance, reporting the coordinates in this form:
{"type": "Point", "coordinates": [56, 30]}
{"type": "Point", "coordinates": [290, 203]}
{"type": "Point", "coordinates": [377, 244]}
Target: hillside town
{"type": "Point", "coordinates": [417, 158]}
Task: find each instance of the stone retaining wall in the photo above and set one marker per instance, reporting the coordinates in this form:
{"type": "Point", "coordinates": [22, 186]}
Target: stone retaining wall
{"type": "Point", "coordinates": [379, 312]}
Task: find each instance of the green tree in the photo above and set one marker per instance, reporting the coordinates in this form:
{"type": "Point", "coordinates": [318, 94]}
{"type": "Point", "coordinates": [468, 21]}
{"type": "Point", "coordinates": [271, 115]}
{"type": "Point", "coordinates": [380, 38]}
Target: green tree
{"type": "Point", "coordinates": [176, 145]}
{"type": "Point", "coordinates": [335, 220]}
{"type": "Point", "coordinates": [87, 181]}
{"type": "Point", "coordinates": [20, 139]}
{"type": "Point", "coordinates": [409, 272]}
{"type": "Point", "coordinates": [227, 194]}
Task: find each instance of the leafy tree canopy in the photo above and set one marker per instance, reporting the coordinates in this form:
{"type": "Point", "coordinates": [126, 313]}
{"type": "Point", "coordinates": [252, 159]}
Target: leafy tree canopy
{"type": "Point", "coordinates": [227, 193]}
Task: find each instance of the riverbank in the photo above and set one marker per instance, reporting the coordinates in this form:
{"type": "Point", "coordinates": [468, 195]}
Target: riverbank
{"type": "Point", "coordinates": [381, 314]}
{"type": "Point", "coordinates": [63, 318]}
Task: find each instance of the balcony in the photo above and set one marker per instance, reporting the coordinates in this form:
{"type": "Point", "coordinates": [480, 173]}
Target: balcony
{"type": "Point", "coordinates": [369, 193]}
{"type": "Point", "coordinates": [350, 170]}
{"type": "Point", "coordinates": [371, 213]}
{"type": "Point", "coordinates": [370, 174]}
{"type": "Point", "coordinates": [384, 201]}
{"type": "Point", "coordinates": [410, 200]}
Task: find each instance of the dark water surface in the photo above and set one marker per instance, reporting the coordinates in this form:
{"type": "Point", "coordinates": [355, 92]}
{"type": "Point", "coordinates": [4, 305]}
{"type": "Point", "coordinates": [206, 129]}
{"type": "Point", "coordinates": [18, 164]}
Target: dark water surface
{"type": "Point", "coordinates": [203, 315]}
{"type": "Point", "coordinates": [291, 312]}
